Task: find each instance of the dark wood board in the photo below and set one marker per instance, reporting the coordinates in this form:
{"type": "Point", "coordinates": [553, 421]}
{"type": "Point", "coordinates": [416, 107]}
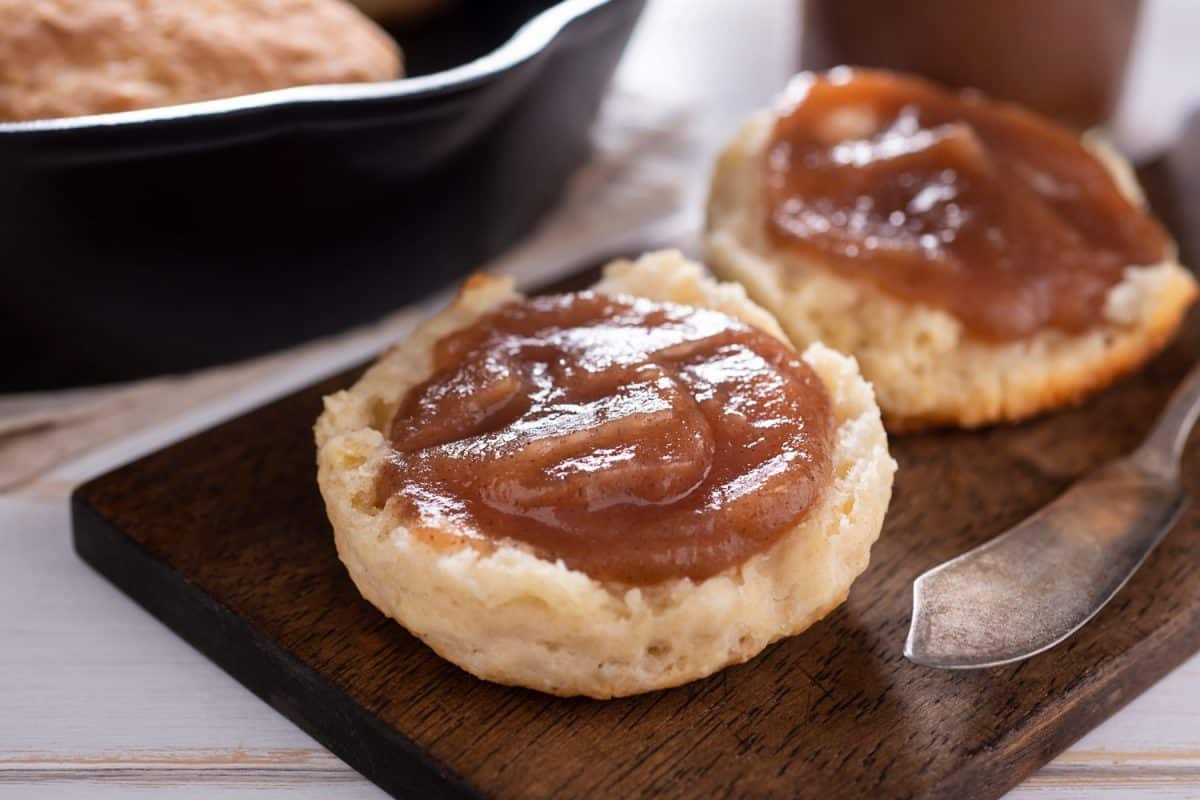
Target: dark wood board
{"type": "Point", "coordinates": [224, 538]}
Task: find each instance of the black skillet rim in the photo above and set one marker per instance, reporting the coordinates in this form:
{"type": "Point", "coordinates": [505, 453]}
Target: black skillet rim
{"type": "Point", "coordinates": [278, 109]}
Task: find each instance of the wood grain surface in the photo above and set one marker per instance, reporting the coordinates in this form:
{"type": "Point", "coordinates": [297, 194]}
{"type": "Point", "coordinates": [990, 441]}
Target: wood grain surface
{"type": "Point", "coordinates": [223, 536]}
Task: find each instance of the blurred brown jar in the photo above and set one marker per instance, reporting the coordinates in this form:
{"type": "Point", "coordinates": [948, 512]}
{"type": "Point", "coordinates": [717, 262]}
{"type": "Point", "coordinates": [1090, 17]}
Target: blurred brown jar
{"type": "Point", "coordinates": [1065, 58]}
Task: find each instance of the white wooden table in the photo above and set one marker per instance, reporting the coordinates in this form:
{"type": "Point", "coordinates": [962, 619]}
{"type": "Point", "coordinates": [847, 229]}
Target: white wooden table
{"type": "Point", "coordinates": [98, 699]}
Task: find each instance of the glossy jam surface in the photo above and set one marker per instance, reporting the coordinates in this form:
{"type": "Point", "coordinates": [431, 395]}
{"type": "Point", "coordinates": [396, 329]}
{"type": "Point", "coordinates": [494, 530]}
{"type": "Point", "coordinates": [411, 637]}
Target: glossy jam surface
{"type": "Point", "coordinates": [983, 210]}
{"type": "Point", "coordinates": [636, 441]}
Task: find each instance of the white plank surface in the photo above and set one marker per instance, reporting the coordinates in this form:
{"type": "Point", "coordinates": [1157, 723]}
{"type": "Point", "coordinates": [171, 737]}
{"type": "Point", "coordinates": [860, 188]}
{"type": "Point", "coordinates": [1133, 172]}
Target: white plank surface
{"type": "Point", "coordinates": [99, 700]}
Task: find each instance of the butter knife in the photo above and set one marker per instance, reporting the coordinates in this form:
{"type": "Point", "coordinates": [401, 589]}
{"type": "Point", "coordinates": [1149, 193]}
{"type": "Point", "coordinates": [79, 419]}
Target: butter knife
{"type": "Point", "coordinates": [1036, 584]}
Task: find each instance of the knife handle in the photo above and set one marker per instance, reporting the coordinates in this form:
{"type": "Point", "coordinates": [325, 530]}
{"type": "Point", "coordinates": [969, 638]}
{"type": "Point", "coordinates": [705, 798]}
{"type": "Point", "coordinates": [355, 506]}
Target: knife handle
{"type": "Point", "coordinates": [1162, 449]}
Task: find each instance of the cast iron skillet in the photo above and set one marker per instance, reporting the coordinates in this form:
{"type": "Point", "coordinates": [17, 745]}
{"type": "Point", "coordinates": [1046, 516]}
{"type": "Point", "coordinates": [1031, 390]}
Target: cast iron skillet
{"type": "Point", "coordinates": [168, 239]}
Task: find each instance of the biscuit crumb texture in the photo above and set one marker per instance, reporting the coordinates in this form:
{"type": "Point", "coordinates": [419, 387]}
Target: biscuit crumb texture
{"type": "Point", "coordinates": [68, 58]}
{"type": "Point", "coordinates": [926, 371]}
{"type": "Point", "coordinates": [508, 616]}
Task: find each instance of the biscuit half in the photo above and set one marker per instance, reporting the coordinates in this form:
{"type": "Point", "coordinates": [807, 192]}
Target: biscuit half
{"type": "Point", "coordinates": [506, 615]}
{"type": "Point", "coordinates": [927, 372]}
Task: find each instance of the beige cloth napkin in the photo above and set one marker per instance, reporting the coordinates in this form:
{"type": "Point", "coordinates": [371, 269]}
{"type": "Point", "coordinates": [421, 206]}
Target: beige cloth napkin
{"type": "Point", "coordinates": [646, 168]}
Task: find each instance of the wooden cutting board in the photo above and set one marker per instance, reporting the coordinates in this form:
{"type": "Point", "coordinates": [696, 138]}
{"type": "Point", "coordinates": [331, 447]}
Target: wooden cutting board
{"type": "Point", "coordinates": [224, 538]}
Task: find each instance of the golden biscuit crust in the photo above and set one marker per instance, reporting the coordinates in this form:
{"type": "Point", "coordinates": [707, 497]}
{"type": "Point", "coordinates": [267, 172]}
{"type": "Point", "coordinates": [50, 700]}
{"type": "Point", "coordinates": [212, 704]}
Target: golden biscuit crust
{"type": "Point", "coordinates": [67, 58]}
{"type": "Point", "coordinates": [926, 371]}
{"type": "Point", "coordinates": [508, 616]}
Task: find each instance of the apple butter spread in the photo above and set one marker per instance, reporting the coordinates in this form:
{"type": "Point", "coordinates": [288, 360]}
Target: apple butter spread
{"type": "Point", "coordinates": [988, 212]}
{"type": "Point", "coordinates": [636, 441]}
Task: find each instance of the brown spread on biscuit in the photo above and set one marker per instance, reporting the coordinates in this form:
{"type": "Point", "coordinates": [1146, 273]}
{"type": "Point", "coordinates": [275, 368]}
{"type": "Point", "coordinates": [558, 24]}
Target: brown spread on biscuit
{"type": "Point", "coordinates": [636, 441]}
{"type": "Point", "coordinates": [981, 209]}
